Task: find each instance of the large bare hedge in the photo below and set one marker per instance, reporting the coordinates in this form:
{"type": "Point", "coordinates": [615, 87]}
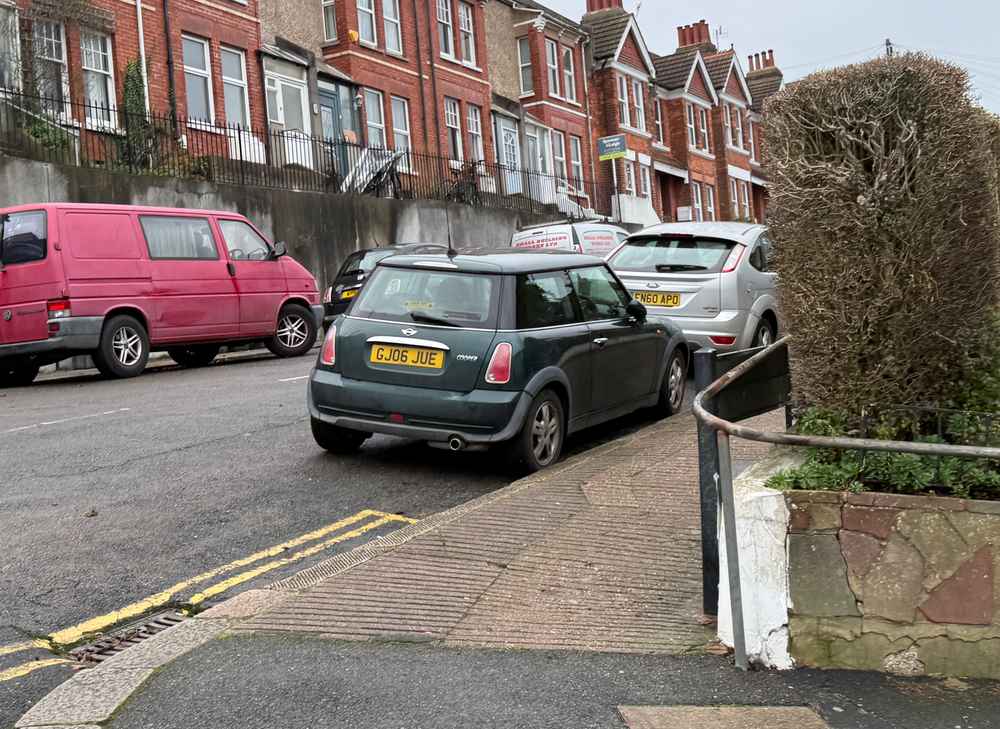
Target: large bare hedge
{"type": "Point", "coordinates": [885, 218]}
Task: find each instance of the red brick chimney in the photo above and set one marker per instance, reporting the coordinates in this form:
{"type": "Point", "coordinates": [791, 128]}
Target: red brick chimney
{"type": "Point", "coordinates": [594, 6]}
{"type": "Point", "coordinates": [761, 61]}
{"type": "Point", "coordinates": [693, 35]}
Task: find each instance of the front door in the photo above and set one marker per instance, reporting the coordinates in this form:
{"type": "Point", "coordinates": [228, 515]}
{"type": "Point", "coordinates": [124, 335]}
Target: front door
{"type": "Point", "coordinates": [194, 295]}
{"type": "Point", "coordinates": [259, 277]}
{"type": "Point", "coordinates": [623, 351]}
{"type": "Point", "coordinates": [332, 130]}
{"type": "Point", "coordinates": [510, 155]}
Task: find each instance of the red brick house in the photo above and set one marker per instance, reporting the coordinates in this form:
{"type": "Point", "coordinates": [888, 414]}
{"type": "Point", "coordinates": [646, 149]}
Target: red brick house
{"type": "Point", "coordinates": [764, 80]}
{"type": "Point", "coordinates": [201, 61]}
{"type": "Point", "coordinates": [622, 73]}
{"type": "Point", "coordinates": [421, 71]}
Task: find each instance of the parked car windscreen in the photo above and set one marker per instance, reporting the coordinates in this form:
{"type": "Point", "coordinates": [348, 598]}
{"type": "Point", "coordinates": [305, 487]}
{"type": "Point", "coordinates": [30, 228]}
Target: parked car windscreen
{"type": "Point", "coordinates": [447, 298]}
{"type": "Point", "coordinates": [672, 254]}
{"type": "Point", "coordinates": [363, 261]}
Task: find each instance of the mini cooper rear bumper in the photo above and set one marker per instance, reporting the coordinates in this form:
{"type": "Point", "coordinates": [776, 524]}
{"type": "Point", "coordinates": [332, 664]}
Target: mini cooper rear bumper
{"type": "Point", "coordinates": [480, 417]}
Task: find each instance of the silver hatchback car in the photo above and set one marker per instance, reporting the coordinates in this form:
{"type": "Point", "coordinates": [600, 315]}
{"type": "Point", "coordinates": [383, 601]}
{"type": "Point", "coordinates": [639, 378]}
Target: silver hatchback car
{"type": "Point", "coordinates": [712, 279]}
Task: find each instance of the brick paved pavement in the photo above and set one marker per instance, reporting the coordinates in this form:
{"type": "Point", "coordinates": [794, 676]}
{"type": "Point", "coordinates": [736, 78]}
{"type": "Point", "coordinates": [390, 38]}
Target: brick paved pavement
{"type": "Point", "coordinates": [602, 553]}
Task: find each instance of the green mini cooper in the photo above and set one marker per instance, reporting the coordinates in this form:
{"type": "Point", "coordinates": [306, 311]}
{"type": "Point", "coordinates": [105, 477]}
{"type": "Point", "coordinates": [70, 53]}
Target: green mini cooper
{"type": "Point", "coordinates": [508, 348]}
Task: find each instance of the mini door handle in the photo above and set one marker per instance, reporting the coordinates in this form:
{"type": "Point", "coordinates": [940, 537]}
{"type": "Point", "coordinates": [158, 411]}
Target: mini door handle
{"type": "Point", "coordinates": [601, 341]}
{"type": "Point", "coordinates": [231, 267]}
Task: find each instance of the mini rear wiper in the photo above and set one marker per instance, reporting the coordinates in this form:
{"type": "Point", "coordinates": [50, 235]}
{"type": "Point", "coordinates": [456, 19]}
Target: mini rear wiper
{"type": "Point", "coordinates": [668, 267]}
{"type": "Point", "coordinates": [429, 319]}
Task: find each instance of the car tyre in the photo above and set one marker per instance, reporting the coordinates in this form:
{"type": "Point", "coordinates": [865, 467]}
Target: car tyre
{"type": "Point", "coordinates": [124, 348]}
{"type": "Point", "coordinates": [334, 439]}
{"type": "Point", "coordinates": [674, 384]}
{"type": "Point", "coordinates": [541, 440]}
{"type": "Point", "coordinates": [197, 355]}
{"type": "Point", "coordinates": [296, 332]}
{"type": "Point", "coordinates": [764, 336]}
{"type": "Point", "coordinates": [19, 374]}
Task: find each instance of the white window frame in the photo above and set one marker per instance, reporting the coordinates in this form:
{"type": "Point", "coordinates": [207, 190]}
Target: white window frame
{"type": "Point", "coordinates": [745, 202]}
{"type": "Point", "coordinates": [11, 28]}
{"type": "Point", "coordinates": [734, 194]}
{"type": "Point", "coordinates": [569, 73]}
{"type": "Point", "coordinates": [367, 7]}
{"type": "Point", "coordinates": [467, 32]}
{"type": "Point", "coordinates": [710, 202]}
{"type": "Point", "coordinates": [329, 13]}
{"type": "Point", "coordinates": [275, 82]}
{"type": "Point", "coordinates": [241, 83]}
{"type": "Point", "coordinates": [639, 104]}
{"type": "Point", "coordinates": [206, 74]}
{"type": "Point", "coordinates": [392, 22]}
{"type": "Point", "coordinates": [703, 121]}
{"type": "Point", "coordinates": [401, 132]}
{"type": "Point", "coordinates": [552, 64]}
{"type": "Point", "coordinates": [109, 81]}
{"type": "Point", "coordinates": [524, 49]}
{"type": "Point", "coordinates": [623, 103]}
{"type": "Point", "coordinates": [559, 165]}
{"type": "Point", "coordinates": [753, 142]}
{"type": "Point", "coordinates": [371, 96]}
{"type": "Point", "coordinates": [63, 62]}
{"type": "Point", "coordinates": [477, 151]}
{"type": "Point", "coordinates": [645, 182]}
{"type": "Point", "coordinates": [629, 177]}
{"type": "Point", "coordinates": [699, 211]}
{"type": "Point", "coordinates": [446, 29]}
{"type": "Point", "coordinates": [727, 122]}
{"type": "Point", "coordinates": [576, 161]}
{"type": "Point", "coordinates": [739, 129]}
{"type": "Point", "coordinates": [692, 127]}
{"type": "Point", "coordinates": [661, 132]}
{"type": "Point", "coordinates": [453, 123]}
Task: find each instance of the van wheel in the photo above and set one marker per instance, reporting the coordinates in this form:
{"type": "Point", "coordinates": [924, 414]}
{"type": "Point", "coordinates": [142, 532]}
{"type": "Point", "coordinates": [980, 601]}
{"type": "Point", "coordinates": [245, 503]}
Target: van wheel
{"type": "Point", "coordinates": [124, 348]}
{"type": "Point", "coordinates": [674, 385]}
{"type": "Point", "coordinates": [540, 442]}
{"type": "Point", "coordinates": [17, 374]}
{"type": "Point", "coordinates": [342, 441]}
{"type": "Point", "coordinates": [197, 355]}
{"type": "Point", "coordinates": [296, 333]}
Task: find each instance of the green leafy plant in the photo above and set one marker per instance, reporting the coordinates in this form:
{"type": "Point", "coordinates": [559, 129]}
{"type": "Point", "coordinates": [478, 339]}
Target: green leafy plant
{"type": "Point", "coordinates": [49, 136]}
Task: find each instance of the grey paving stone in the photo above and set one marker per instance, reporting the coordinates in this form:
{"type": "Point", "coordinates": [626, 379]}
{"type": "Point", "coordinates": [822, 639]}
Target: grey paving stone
{"type": "Point", "coordinates": [90, 697]}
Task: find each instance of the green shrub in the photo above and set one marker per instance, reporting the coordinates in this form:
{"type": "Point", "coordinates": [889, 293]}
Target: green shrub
{"type": "Point", "coordinates": [884, 212]}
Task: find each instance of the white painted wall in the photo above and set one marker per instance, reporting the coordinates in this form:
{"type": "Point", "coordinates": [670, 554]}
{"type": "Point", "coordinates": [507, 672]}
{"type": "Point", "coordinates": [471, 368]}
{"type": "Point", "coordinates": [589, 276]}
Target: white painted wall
{"type": "Point", "coordinates": [761, 532]}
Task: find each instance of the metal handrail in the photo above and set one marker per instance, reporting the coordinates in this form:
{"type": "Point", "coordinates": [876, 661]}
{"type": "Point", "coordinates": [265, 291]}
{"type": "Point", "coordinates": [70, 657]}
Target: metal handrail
{"type": "Point", "coordinates": [816, 441]}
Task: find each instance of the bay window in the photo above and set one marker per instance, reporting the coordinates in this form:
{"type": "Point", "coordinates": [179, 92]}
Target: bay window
{"type": "Point", "coordinates": [699, 214]}
{"type": "Point", "coordinates": [734, 195]}
{"type": "Point", "coordinates": [709, 202]}
{"type": "Point", "coordinates": [661, 134]}
{"type": "Point", "coordinates": [623, 115]}
{"type": "Point", "coordinates": [639, 105]}
{"type": "Point", "coordinates": [569, 74]}
{"type": "Point", "coordinates": [559, 155]}
{"type": "Point", "coordinates": [692, 130]}
{"type": "Point", "coordinates": [746, 200]}
{"type": "Point", "coordinates": [524, 61]}
{"type": "Point", "coordinates": [703, 119]}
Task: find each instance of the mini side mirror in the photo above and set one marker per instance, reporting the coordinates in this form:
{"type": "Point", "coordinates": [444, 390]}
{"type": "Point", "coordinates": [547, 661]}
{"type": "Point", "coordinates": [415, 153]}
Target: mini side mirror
{"type": "Point", "coordinates": [636, 310]}
{"type": "Point", "coordinates": [279, 250]}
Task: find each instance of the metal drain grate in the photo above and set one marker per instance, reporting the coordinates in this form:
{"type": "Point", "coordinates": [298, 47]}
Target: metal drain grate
{"type": "Point", "coordinates": [125, 637]}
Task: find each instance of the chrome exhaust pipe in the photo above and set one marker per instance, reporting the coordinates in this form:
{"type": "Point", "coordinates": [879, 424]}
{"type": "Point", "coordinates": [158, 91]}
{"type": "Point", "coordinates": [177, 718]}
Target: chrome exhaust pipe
{"type": "Point", "coordinates": [456, 443]}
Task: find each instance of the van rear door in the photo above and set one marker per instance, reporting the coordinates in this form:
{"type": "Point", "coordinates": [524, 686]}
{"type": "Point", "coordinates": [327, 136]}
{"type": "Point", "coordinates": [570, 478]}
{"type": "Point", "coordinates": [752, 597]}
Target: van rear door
{"type": "Point", "coordinates": [31, 276]}
{"type": "Point", "coordinates": [552, 237]}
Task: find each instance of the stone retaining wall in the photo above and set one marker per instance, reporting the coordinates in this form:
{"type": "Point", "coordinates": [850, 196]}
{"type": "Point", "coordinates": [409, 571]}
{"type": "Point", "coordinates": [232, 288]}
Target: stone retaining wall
{"type": "Point", "coordinates": [906, 584]}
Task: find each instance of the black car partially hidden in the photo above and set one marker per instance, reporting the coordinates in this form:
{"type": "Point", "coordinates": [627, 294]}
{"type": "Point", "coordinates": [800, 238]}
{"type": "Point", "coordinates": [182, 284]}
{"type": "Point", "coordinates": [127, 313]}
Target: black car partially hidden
{"type": "Point", "coordinates": [358, 266]}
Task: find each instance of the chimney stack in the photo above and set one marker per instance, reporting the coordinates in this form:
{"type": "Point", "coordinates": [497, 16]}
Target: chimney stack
{"type": "Point", "coordinates": [694, 34]}
{"type": "Point", "coordinates": [594, 6]}
{"type": "Point", "coordinates": [769, 63]}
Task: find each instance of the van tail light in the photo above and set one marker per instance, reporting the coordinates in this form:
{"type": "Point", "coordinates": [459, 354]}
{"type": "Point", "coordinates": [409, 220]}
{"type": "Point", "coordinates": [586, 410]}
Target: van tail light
{"type": "Point", "coordinates": [59, 309]}
{"type": "Point", "coordinates": [735, 256]}
{"type": "Point", "coordinates": [329, 354]}
{"type": "Point", "coordinates": [498, 373]}
{"type": "Point", "coordinates": [722, 341]}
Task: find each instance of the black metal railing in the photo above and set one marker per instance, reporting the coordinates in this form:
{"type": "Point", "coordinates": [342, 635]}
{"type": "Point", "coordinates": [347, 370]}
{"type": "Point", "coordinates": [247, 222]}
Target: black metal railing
{"type": "Point", "coordinates": [100, 135]}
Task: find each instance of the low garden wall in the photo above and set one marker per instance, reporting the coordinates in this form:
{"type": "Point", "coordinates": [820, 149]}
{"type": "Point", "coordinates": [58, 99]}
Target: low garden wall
{"type": "Point", "coordinates": [904, 584]}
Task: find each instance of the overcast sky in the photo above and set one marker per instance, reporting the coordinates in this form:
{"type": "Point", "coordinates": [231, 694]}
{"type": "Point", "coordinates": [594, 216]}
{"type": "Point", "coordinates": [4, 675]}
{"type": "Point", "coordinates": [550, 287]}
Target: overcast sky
{"type": "Point", "coordinates": [809, 35]}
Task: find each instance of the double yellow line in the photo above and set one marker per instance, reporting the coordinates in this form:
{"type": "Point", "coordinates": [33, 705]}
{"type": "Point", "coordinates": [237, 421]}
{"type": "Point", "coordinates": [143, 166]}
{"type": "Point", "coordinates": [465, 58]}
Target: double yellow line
{"type": "Point", "coordinates": [329, 536]}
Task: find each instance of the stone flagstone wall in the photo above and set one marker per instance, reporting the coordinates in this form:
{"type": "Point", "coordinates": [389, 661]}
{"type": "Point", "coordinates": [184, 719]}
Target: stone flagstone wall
{"type": "Point", "coordinates": [906, 584]}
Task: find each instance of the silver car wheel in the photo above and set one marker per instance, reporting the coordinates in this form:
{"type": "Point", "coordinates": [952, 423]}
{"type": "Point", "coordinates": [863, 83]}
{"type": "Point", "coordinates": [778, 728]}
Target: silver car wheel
{"type": "Point", "coordinates": [292, 331]}
{"type": "Point", "coordinates": [546, 434]}
{"type": "Point", "coordinates": [675, 383]}
{"type": "Point", "coordinates": [127, 346]}
{"type": "Point", "coordinates": [764, 336]}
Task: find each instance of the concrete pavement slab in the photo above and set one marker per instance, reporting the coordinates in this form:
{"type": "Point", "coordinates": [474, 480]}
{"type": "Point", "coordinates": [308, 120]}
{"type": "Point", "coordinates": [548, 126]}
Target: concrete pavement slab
{"type": "Point", "coordinates": [720, 717]}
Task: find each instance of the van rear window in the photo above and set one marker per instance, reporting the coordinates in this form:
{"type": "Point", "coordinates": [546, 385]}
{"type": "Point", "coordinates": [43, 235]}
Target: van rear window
{"type": "Point", "coordinates": [410, 295]}
{"type": "Point", "coordinates": [25, 238]}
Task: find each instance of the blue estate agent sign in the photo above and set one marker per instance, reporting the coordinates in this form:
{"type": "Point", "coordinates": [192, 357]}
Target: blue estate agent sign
{"type": "Point", "coordinates": [611, 147]}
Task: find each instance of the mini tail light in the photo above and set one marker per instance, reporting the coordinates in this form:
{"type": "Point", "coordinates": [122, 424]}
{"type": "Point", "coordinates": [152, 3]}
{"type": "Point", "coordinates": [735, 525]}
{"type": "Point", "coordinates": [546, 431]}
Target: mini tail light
{"type": "Point", "coordinates": [734, 258]}
{"type": "Point", "coordinates": [329, 354]}
{"type": "Point", "coordinates": [498, 373]}
{"type": "Point", "coordinates": [59, 309]}
{"type": "Point", "coordinates": [722, 340]}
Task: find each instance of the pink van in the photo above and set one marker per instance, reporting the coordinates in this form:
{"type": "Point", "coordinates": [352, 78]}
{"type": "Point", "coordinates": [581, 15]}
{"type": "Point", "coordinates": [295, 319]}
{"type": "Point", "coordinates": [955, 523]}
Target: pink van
{"type": "Point", "coordinates": [117, 281]}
